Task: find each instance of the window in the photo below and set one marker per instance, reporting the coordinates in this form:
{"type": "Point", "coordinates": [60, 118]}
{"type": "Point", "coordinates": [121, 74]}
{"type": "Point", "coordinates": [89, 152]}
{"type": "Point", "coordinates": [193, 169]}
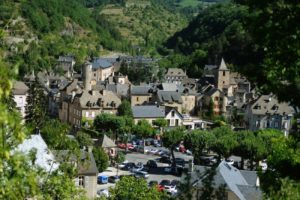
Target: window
{"type": "Point", "coordinates": [173, 113]}
{"type": "Point", "coordinates": [87, 114]}
{"type": "Point", "coordinates": [81, 181]}
{"type": "Point", "coordinates": [224, 73]}
{"type": "Point", "coordinates": [137, 99]}
{"type": "Point", "coordinates": [176, 122]}
{"type": "Point", "coordinates": [216, 98]}
{"type": "Point", "coordinates": [169, 122]}
{"type": "Point", "coordinates": [275, 124]}
{"type": "Point", "coordinates": [93, 114]}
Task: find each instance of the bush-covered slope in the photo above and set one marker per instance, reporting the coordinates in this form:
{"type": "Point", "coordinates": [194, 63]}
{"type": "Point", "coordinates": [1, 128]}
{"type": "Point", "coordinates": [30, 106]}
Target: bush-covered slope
{"type": "Point", "coordinates": [219, 32]}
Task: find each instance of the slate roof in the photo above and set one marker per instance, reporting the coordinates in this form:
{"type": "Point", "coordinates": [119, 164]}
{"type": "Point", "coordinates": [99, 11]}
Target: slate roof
{"type": "Point", "coordinates": [89, 100]}
{"type": "Point", "coordinates": [210, 67]}
{"type": "Point", "coordinates": [119, 89]}
{"type": "Point", "coordinates": [147, 112]}
{"type": "Point", "coordinates": [223, 65]}
{"type": "Point", "coordinates": [106, 142]}
{"type": "Point", "coordinates": [175, 72]}
{"type": "Point", "coordinates": [141, 90]}
{"type": "Point", "coordinates": [86, 164]}
{"type": "Point", "coordinates": [44, 157]}
{"type": "Point", "coordinates": [268, 104]}
{"type": "Point", "coordinates": [241, 183]}
{"type": "Point", "coordinates": [169, 86]}
{"type": "Point", "coordinates": [20, 88]}
{"type": "Point", "coordinates": [169, 96]}
{"type": "Point", "coordinates": [212, 91]}
{"type": "Point", "coordinates": [101, 63]}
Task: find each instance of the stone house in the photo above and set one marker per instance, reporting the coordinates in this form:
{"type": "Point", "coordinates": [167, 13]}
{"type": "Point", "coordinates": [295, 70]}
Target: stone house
{"type": "Point", "coordinates": [85, 103]}
{"type": "Point", "coordinates": [87, 169]}
{"type": "Point", "coordinates": [140, 95]}
{"type": "Point", "coordinates": [147, 112]}
{"type": "Point", "coordinates": [20, 93]}
{"type": "Point", "coordinates": [168, 99]}
{"type": "Point", "coordinates": [267, 112]}
{"type": "Point", "coordinates": [66, 63]}
{"type": "Point", "coordinates": [217, 96]}
{"type": "Point", "coordinates": [175, 75]}
{"type": "Point", "coordinates": [101, 70]}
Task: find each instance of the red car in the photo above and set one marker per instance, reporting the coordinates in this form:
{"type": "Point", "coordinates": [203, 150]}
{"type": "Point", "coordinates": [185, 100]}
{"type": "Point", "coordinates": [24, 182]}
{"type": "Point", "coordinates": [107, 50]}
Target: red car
{"type": "Point", "coordinates": [160, 188]}
{"type": "Point", "coordinates": [182, 149]}
{"type": "Point", "coordinates": [121, 145]}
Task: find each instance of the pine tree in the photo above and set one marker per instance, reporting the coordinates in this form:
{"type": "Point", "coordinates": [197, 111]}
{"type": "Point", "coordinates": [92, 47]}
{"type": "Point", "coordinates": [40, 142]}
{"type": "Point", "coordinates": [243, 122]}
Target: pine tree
{"type": "Point", "coordinates": [36, 105]}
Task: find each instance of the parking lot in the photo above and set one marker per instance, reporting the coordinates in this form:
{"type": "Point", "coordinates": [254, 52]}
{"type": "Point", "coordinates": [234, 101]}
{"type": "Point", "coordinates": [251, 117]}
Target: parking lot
{"type": "Point", "coordinates": [157, 174]}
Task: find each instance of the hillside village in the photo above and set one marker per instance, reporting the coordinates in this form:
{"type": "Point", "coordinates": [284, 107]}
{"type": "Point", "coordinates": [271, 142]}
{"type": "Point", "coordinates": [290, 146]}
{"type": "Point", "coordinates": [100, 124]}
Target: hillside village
{"type": "Point", "coordinates": [219, 96]}
{"type": "Point", "coordinates": [149, 100]}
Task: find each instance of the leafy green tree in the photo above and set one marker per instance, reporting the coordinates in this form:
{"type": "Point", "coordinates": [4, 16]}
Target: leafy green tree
{"type": "Point", "coordinates": [143, 129]}
{"type": "Point", "coordinates": [171, 139]}
{"type": "Point", "coordinates": [55, 133]}
{"type": "Point", "coordinates": [84, 139]}
{"type": "Point", "coordinates": [135, 189]}
{"type": "Point", "coordinates": [61, 187]}
{"type": "Point", "coordinates": [125, 109]}
{"type": "Point", "coordinates": [108, 122]}
{"type": "Point", "coordinates": [225, 142]}
{"type": "Point", "coordinates": [197, 141]}
{"type": "Point", "coordinates": [160, 123]}
{"type": "Point", "coordinates": [35, 109]}
{"type": "Point", "coordinates": [273, 27]}
{"type": "Point", "coordinates": [101, 158]}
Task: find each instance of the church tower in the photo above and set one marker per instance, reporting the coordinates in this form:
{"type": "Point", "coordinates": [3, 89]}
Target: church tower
{"type": "Point", "coordinates": [86, 75]}
{"type": "Point", "coordinates": [223, 76]}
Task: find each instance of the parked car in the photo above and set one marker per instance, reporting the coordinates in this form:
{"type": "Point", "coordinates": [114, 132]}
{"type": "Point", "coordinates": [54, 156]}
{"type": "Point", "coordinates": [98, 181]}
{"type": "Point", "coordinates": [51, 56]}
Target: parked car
{"type": "Point", "coordinates": [171, 189]}
{"type": "Point", "coordinates": [113, 179]}
{"type": "Point", "coordinates": [123, 164]}
{"type": "Point", "coordinates": [102, 179]}
{"type": "Point", "coordinates": [180, 162]}
{"type": "Point", "coordinates": [207, 160]}
{"type": "Point", "coordinates": [175, 182]}
{"type": "Point", "coordinates": [153, 151]}
{"type": "Point", "coordinates": [103, 192]}
{"type": "Point", "coordinates": [165, 159]}
{"type": "Point", "coordinates": [152, 183]}
{"type": "Point", "coordinates": [151, 164]}
{"type": "Point", "coordinates": [141, 174]}
{"type": "Point", "coordinates": [129, 166]}
{"type": "Point", "coordinates": [229, 161]}
{"type": "Point", "coordinates": [137, 168]}
{"type": "Point", "coordinates": [165, 182]}
{"type": "Point", "coordinates": [121, 145]}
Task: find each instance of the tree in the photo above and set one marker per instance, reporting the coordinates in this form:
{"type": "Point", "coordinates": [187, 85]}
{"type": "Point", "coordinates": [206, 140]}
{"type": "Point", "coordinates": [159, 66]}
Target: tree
{"type": "Point", "coordinates": [124, 109]}
{"type": "Point", "coordinates": [160, 123]}
{"type": "Point", "coordinates": [143, 129]}
{"type": "Point", "coordinates": [171, 140]}
{"type": "Point", "coordinates": [225, 142]}
{"type": "Point", "coordinates": [108, 122]}
{"type": "Point", "coordinates": [131, 188]}
{"type": "Point", "coordinates": [84, 139]}
{"type": "Point", "coordinates": [101, 158]}
{"type": "Point", "coordinates": [35, 109]}
{"type": "Point", "coordinates": [197, 141]}
{"type": "Point", "coordinates": [55, 133]}
{"type": "Point", "coordinates": [273, 26]}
